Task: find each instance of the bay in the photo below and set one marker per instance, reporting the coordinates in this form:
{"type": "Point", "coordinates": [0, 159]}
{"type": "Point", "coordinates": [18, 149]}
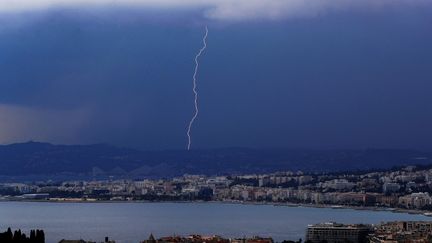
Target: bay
{"type": "Point", "coordinates": [133, 222]}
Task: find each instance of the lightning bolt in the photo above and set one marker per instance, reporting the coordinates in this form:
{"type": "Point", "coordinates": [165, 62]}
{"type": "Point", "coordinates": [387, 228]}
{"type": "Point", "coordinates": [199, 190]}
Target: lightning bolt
{"type": "Point", "coordinates": [194, 89]}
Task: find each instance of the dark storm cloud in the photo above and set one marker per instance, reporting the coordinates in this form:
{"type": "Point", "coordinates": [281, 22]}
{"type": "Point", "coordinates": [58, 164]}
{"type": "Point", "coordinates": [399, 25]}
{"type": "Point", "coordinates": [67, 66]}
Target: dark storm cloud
{"type": "Point", "coordinates": [232, 10]}
{"type": "Point", "coordinates": [342, 80]}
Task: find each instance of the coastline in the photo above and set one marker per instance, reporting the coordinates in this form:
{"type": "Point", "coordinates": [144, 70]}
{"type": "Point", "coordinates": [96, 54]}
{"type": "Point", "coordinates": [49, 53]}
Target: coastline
{"type": "Point", "coordinates": [235, 202]}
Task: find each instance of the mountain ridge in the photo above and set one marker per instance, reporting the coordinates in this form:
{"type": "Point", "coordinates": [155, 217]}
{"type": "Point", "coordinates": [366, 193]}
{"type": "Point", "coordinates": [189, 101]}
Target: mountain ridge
{"type": "Point", "coordinates": [38, 158]}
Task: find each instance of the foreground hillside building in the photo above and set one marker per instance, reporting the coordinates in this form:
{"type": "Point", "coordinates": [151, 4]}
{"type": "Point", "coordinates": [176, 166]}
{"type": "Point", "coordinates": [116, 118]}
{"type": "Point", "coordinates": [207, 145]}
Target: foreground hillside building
{"type": "Point", "coordinates": [403, 231]}
{"type": "Point", "coordinates": [205, 239]}
{"type": "Point", "coordinates": [337, 233]}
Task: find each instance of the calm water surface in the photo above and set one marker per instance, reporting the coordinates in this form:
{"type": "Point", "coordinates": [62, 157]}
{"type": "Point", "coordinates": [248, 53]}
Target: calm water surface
{"type": "Point", "coordinates": [133, 222]}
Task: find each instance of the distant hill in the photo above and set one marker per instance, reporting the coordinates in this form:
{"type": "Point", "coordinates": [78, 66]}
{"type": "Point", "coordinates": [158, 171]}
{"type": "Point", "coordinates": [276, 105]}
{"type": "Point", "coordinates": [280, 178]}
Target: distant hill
{"type": "Point", "coordinates": [44, 159]}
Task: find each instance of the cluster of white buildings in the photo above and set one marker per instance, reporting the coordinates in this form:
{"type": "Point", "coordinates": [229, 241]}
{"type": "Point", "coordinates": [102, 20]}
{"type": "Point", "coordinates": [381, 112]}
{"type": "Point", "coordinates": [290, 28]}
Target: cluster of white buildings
{"type": "Point", "coordinates": [408, 188]}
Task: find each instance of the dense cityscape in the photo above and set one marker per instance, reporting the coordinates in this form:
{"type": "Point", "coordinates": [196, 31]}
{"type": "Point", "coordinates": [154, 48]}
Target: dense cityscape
{"type": "Point", "coordinates": [408, 188]}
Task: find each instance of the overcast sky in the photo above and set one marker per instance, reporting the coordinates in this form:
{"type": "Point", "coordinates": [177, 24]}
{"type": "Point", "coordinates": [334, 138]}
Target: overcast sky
{"type": "Point", "coordinates": [233, 10]}
{"type": "Point", "coordinates": [277, 73]}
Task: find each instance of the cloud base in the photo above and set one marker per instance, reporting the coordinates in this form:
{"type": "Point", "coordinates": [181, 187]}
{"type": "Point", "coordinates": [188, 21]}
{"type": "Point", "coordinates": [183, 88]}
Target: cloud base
{"type": "Point", "coordinates": [232, 10]}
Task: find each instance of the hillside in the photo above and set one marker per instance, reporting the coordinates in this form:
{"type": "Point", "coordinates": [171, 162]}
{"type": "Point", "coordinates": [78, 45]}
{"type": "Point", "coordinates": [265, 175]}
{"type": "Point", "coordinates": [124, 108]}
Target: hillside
{"type": "Point", "coordinates": [44, 159]}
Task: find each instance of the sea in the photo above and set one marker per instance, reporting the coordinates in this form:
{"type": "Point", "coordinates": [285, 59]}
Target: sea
{"type": "Point", "coordinates": [133, 222]}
